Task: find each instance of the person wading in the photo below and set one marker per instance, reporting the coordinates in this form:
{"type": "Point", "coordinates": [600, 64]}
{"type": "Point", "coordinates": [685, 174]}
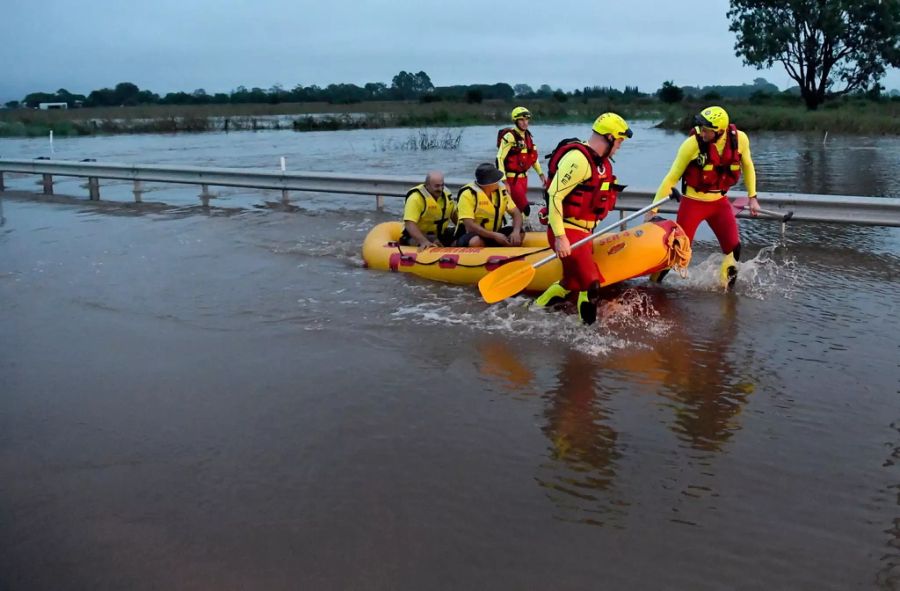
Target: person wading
{"type": "Point", "coordinates": [582, 191]}
{"type": "Point", "coordinates": [516, 154]}
{"type": "Point", "coordinates": [709, 162]}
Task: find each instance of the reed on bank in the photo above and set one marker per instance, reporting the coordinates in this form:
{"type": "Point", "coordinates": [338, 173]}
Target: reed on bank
{"type": "Point", "coordinates": [849, 116]}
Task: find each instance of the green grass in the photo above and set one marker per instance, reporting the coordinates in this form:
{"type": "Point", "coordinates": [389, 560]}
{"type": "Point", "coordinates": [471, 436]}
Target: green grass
{"type": "Point", "coordinates": [855, 116]}
{"type": "Point", "coordinates": [776, 114]}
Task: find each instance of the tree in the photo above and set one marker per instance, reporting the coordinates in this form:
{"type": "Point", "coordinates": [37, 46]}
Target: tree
{"type": "Point", "coordinates": [422, 83]}
{"type": "Point", "coordinates": [125, 93]}
{"type": "Point", "coordinates": [669, 93]}
{"type": "Point", "coordinates": [523, 90]}
{"type": "Point", "coordinates": [376, 90]}
{"type": "Point", "coordinates": [821, 43]}
{"type": "Point", "coordinates": [406, 85]}
{"type": "Point", "coordinates": [474, 96]}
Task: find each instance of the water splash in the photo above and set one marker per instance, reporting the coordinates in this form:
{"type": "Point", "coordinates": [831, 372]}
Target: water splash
{"type": "Point", "coordinates": [771, 272]}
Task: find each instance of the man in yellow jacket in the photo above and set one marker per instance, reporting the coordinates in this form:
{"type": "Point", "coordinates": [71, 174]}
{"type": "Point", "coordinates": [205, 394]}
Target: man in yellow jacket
{"type": "Point", "coordinates": [428, 213]}
{"type": "Point", "coordinates": [481, 207]}
{"type": "Point", "coordinates": [709, 162]}
{"type": "Point", "coordinates": [516, 155]}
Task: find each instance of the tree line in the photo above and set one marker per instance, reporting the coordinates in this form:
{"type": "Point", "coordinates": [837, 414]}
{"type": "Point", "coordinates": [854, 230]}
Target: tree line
{"type": "Point", "coordinates": [829, 48]}
{"type": "Point", "coordinates": [404, 86]}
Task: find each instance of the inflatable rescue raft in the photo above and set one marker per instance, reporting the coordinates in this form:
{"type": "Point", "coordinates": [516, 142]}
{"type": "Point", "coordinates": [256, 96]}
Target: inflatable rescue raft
{"type": "Point", "coordinates": [637, 251]}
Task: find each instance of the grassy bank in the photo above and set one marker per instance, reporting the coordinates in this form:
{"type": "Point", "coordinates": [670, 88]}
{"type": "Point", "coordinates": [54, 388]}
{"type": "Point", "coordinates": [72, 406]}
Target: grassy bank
{"type": "Point", "coordinates": [848, 116]}
{"type": "Point", "coordinates": [300, 116]}
{"type": "Point", "coordinates": [853, 116]}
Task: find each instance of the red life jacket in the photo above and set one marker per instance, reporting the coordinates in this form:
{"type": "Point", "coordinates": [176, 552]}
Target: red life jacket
{"type": "Point", "coordinates": [521, 156]}
{"type": "Point", "coordinates": [713, 172]}
{"type": "Point", "coordinates": [593, 199]}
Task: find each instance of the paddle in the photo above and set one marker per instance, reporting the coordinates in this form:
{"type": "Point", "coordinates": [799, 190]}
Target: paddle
{"type": "Point", "coordinates": [512, 278]}
{"type": "Point", "coordinates": [742, 203]}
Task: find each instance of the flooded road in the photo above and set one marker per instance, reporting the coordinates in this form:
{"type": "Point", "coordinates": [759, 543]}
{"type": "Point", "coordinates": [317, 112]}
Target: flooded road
{"type": "Point", "coordinates": [226, 399]}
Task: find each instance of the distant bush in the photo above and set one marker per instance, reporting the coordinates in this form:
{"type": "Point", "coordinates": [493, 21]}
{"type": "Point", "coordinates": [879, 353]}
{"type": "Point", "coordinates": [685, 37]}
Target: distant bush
{"type": "Point", "coordinates": [669, 93]}
{"type": "Point", "coordinates": [474, 96]}
{"type": "Point", "coordinates": [760, 98]}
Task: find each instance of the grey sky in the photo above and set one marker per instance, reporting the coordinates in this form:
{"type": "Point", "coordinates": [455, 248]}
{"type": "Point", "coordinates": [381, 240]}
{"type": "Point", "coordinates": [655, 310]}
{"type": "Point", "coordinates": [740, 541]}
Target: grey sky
{"type": "Point", "coordinates": [170, 45]}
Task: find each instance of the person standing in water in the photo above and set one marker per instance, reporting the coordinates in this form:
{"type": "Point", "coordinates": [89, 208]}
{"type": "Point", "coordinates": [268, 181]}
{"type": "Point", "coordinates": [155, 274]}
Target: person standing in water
{"type": "Point", "coordinates": [709, 162]}
{"type": "Point", "coordinates": [516, 155]}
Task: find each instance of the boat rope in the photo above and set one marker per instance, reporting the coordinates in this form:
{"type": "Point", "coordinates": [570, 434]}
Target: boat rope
{"type": "Point", "coordinates": [441, 259]}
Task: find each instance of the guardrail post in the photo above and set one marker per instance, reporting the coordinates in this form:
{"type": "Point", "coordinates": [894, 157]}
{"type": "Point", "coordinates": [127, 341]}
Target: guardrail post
{"type": "Point", "coordinates": [94, 188]}
{"type": "Point", "coordinates": [379, 202]}
{"type": "Point", "coordinates": [2, 186]}
{"type": "Point", "coordinates": [621, 217]}
{"type": "Point", "coordinates": [285, 197]}
{"type": "Point", "coordinates": [205, 195]}
{"type": "Point", "coordinates": [138, 191]}
{"type": "Point", "coordinates": [48, 184]}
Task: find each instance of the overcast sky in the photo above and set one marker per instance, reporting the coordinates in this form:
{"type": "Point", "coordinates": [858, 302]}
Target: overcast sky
{"type": "Point", "coordinates": [217, 45]}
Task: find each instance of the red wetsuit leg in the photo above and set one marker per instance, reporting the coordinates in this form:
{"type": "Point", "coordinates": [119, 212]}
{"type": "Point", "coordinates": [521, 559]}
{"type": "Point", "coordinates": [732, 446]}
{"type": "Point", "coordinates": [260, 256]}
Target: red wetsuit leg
{"type": "Point", "coordinates": [724, 224]}
{"type": "Point", "coordinates": [579, 268]}
{"type": "Point", "coordinates": [518, 190]}
{"type": "Point", "coordinates": [690, 213]}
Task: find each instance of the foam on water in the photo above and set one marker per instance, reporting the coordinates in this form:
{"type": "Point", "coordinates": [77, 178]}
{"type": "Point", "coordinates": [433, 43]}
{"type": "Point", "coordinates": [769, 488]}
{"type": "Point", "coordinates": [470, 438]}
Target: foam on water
{"type": "Point", "coordinates": [627, 316]}
{"type": "Point", "coordinates": [771, 272]}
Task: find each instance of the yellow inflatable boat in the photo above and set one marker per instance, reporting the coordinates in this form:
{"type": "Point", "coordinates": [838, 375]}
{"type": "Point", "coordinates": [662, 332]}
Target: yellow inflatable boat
{"type": "Point", "coordinates": [637, 251]}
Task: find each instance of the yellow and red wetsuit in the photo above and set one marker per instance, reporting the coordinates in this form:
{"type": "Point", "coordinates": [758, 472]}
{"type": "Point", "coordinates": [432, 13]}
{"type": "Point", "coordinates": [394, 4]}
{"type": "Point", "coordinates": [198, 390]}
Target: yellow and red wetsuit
{"type": "Point", "coordinates": [516, 154]}
{"type": "Point", "coordinates": [707, 179]}
{"type": "Point", "coordinates": [581, 192]}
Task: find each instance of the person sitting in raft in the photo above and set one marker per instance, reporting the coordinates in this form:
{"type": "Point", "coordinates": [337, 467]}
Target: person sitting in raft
{"type": "Point", "coordinates": [427, 214]}
{"type": "Point", "coordinates": [481, 207]}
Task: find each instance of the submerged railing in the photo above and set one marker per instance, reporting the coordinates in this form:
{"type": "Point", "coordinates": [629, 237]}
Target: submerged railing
{"type": "Point", "coordinates": [875, 211]}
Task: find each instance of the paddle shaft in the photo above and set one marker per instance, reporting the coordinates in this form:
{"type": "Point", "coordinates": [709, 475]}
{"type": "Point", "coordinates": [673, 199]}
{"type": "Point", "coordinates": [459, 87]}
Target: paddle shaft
{"type": "Point", "coordinates": [612, 226]}
{"type": "Point", "coordinates": [784, 217]}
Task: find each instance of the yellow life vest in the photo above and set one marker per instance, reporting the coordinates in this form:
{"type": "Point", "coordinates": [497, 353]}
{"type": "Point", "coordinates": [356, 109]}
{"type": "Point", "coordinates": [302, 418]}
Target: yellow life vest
{"type": "Point", "coordinates": [437, 212]}
{"type": "Point", "coordinates": [489, 209]}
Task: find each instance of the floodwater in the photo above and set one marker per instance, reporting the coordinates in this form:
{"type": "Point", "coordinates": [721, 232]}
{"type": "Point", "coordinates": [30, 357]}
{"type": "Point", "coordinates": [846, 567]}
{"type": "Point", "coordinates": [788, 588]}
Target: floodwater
{"type": "Point", "coordinates": [227, 399]}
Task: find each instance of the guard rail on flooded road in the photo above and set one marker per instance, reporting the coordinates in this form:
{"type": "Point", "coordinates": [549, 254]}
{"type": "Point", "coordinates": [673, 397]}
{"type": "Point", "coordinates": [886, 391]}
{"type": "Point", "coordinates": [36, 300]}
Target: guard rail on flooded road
{"type": "Point", "coordinates": [875, 211]}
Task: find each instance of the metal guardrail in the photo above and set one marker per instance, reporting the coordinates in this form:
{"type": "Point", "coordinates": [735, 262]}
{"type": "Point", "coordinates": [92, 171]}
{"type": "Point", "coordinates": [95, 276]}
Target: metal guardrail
{"type": "Point", "coordinates": [876, 211]}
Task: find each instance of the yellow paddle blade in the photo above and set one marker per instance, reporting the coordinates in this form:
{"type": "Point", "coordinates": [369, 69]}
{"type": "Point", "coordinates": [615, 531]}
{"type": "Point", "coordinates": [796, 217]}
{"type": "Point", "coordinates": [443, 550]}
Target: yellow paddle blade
{"type": "Point", "coordinates": [506, 281]}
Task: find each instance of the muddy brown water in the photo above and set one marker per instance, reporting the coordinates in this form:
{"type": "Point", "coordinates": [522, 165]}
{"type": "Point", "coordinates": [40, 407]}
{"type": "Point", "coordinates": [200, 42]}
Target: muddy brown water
{"type": "Point", "coordinates": [227, 399]}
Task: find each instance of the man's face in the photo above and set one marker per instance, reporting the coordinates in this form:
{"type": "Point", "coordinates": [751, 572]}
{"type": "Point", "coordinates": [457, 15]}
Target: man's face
{"type": "Point", "coordinates": [615, 145]}
{"type": "Point", "coordinates": [708, 134]}
{"type": "Point", "coordinates": [488, 189]}
{"type": "Point", "coordinates": [435, 186]}
{"type": "Point", "coordinates": [522, 123]}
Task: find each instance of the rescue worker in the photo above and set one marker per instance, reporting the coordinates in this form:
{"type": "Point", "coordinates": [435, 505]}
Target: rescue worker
{"type": "Point", "coordinates": [709, 162]}
{"type": "Point", "coordinates": [516, 154]}
{"type": "Point", "coordinates": [582, 191]}
{"type": "Point", "coordinates": [481, 206]}
{"type": "Point", "coordinates": [428, 214]}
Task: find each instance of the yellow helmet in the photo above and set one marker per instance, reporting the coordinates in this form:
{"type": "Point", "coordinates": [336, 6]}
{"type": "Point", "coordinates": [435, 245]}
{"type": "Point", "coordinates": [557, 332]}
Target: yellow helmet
{"type": "Point", "coordinates": [612, 124]}
{"type": "Point", "coordinates": [712, 118]}
{"type": "Point", "coordinates": [520, 113]}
